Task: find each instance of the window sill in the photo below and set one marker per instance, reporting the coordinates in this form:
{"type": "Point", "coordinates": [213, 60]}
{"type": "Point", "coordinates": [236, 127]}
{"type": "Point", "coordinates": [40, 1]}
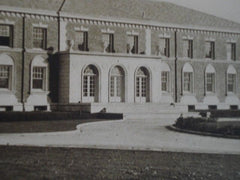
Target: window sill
{"type": "Point", "coordinates": [210, 94]}
{"type": "Point", "coordinates": [187, 93]}
{"type": "Point", "coordinates": [5, 90]}
{"type": "Point", "coordinates": [231, 94]}
{"type": "Point", "coordinates": [36, 50]}
{"type": "Point", "coordinates": [39, 91]}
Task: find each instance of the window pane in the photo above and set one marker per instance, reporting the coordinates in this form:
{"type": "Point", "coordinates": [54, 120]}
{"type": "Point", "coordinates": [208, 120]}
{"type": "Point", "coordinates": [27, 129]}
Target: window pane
{"type": "Point", "coordinates": [165, 81]}
{"type": "Point", "coordinates": [4, 76]}
{"type": "Point", "coordinates": [5, 35]}
{"type": "Point", "coordinates": [38, 77]}
{"type": "Point", "coordinates": [39, 38]}
{"type": "Point", "coordinates": [187, 81]}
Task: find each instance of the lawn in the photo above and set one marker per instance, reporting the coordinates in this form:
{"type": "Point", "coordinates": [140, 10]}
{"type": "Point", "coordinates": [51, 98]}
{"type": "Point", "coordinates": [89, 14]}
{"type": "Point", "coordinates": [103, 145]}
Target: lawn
{"type": "Point", "coordinates": [74, 163]}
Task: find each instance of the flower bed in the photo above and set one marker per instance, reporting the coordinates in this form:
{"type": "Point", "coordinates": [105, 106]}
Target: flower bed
{"type": "Point", "coordinates": [209, 125]}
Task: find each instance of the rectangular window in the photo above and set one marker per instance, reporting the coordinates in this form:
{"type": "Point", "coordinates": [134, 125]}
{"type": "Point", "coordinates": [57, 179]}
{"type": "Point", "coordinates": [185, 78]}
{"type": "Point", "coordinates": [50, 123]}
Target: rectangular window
{"type": "Point", "coordinates": [108, 41]}
{"type": "Point", "coordinates": [81, 40]}
{"type": "Point", "coordinates": [210, 82]}
{"type": "Point", "coordinates": [231, 82]}
{"type": "Point", "coordinates": [39, 38]}
{"type": "Point", "coordinates": [231, 51]}
{"type": "Point", "coordinates": [165, 81]}
{"type": "Point", "coordinates": [210, 49]}
{"type": "Point", "coordinates": [5, 72]}
{"type": "Point", "coordinates": [132, 44]}
{"type": "Point", "coordinates": [38, 77]}
{"type": "Point", "coordinates": [164, 45]}
{"type": "Point", "coordinates": [187, 82]}
{"type": "Point", "coordinates": [188, 48]}
{"type": "Point", "coordinates": [6, 35]}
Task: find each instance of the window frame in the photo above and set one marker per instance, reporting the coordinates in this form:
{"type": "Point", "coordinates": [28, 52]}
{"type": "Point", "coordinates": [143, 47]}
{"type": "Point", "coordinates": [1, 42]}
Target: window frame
{"type": "Point", "coordinates": [44, 38]}
{"type": "Point", "coordinates": [11, 30]}
{"type": "Point", "coordinates": [211, 53]}
{"type": "Point", "coordinates": [84, 45]}
{"type": "Point", "coordinates": [167, 82]}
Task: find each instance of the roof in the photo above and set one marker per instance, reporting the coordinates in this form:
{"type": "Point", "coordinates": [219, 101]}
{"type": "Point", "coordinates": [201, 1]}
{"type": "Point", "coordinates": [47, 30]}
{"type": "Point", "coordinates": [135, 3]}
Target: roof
{"type": "Point", "coordinates": [50, 5]}
{"type": "Point", "coordinates": [162, 12]}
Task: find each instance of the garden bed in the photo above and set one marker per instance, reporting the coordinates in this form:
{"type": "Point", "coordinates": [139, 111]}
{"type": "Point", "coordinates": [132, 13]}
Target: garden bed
{"type": "Point", "coordinates": [208, 126]}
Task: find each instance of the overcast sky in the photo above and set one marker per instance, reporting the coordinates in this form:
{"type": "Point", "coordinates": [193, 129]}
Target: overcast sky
{"type": "Point", "coordinates": [228, 9]}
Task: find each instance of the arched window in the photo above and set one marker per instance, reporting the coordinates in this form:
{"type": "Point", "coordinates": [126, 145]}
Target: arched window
{"type": "Point", "coordinates": [210, 76]}
{"type": "Point", "coordinates": [117, 84]}
{"type": "Point", "coordinates": [187, 76]}
{"type": "Point", "coordinates": [39, 74]}
{"type": "Point", "coordinates": [90, 84]}
{"type": "Point", "coordinates": [231, 79]}
{"type": "Point", "coordinates": [6, 72]}
{"type": "Point", "coordinates": [142, 85]}
{"type": "Point", "coordinates": [165, 77]}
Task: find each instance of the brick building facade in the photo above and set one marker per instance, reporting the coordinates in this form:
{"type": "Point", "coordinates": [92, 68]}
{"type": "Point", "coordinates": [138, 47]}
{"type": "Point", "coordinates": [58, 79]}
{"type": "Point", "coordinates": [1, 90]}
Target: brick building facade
{"type": "Point", "coordinates": [105, 52]}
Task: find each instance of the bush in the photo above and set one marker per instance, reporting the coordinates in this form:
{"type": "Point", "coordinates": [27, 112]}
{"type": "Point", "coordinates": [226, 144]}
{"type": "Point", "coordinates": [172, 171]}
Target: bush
{"type": "Point", "coordinates": [208, 125]}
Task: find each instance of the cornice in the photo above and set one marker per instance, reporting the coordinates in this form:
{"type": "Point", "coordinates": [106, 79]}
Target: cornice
{"type": "Point", "coordinates": [117, 22]}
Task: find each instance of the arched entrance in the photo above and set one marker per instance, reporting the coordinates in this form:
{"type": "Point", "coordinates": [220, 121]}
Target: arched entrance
{"type": "Point", "coordinates": [117, 90]}
{"type": "Point", "coordinates": [90, 84]}
{"type": "Point", "coordinates": [142, 85]}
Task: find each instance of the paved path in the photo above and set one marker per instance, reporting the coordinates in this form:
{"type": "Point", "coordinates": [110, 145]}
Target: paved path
{"type": "Point", "coordinates": [126, 134]}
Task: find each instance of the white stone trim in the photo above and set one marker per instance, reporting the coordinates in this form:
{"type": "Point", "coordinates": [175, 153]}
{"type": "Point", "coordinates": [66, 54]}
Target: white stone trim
{"type": "Point", "coordinates": [132, 33]}
{"type": "Point", "coordinates": [164, 35]}
{"type": "Point", "coordinates": [81, 28]}
{"type": "Point", "coordinates": [107, 31]}
{"type": "Point", "coordinates": [40, 25]}
{"type": "Point", "coordinates": [187, 37]}
{"type": "Point", "coordinates": [6, 22]}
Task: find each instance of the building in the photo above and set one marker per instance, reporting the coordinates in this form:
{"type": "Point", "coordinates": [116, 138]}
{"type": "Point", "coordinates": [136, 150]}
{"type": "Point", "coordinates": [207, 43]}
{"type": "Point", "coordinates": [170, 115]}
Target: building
{"type": "Point", "coordinates": [70, 54]}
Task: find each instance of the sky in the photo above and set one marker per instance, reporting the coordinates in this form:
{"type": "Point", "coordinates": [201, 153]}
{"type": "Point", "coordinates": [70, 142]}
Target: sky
{"type": "Point", "coordinates": [228, 9]}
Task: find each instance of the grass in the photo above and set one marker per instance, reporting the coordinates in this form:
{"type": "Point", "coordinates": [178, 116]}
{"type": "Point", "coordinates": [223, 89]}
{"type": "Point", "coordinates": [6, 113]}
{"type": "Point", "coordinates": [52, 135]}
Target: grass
{"type": "Point", "coordinates": [74, 163]}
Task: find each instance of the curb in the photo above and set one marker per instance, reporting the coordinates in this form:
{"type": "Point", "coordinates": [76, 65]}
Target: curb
{"type": "Point", "coordinates": [173, 128]}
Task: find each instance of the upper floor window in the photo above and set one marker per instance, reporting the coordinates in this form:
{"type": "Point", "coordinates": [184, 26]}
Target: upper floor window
{"type": "Point", "coordinates": [38, 77]}
{"type": "Point", "coordinates": [108, 42]}
{"type": "Point", "coordinates": [6, 35]}
{"type": "Point", "coordinates": [210, 49]}
{"type": "Point", "coordinates": [132, 44]}
{"type": "Point", "coordinates": [164, 47]}
{"type": "Point", "coordinates": [81, 40]}
{"type": "Point", "coordinates": [231, 51]}
{"type": "Point", "coordinates": [39, 37]}
{"type": "Point", "coordinates": [188, 48]}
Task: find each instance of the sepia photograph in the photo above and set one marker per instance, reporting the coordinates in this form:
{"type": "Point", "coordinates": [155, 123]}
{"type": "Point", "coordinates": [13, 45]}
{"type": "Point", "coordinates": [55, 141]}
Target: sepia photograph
{"type": "Point", "coordinates": [120, 89]}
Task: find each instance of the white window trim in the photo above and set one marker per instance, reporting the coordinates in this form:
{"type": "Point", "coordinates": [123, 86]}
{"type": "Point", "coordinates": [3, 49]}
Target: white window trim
{"type": "Point", "coordinates": [187, 37]}
{"type": "Point", "coordinates": [132, 33]}
{"type": "Point", "coordinates": [107, 31]}
{"type": "Point", "coordinates": [40, 25]}
{"type": "Point", "coordinates": [81, 28]}
{"type": "Point", "coordinates": [187, 68]}
{"type": "Point", "coordinates": [164, 35]}
{"type": "Point", "coordinates": [235, 89]}
{"type": "Point", "coordinates": [7, 22]}
{"type": "Point", "coordinates": [38, 61]}
{"type": "Point", "coordinates": [6, 60]}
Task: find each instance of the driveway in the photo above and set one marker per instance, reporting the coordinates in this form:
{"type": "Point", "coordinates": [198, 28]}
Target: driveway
{"type": "Point", "coordinates": [127, 134]}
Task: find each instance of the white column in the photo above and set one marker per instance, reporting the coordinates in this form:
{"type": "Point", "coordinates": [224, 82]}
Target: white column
{"type": "Point", "coordinates": [148, 41]}
{"type": "Point", "coordinates": [63, 35]}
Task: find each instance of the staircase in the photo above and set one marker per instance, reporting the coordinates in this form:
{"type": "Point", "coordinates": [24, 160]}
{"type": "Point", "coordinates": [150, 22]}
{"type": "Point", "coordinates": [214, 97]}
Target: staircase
{"type": "Point", "coordinates": [144, 111]}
